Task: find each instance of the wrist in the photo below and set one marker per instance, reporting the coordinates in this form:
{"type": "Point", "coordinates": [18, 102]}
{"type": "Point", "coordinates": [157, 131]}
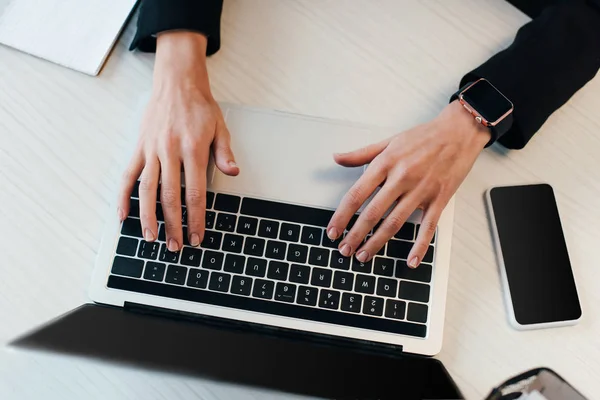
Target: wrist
{"type": "Point", "coordinates": [464, 125]}
{"type": "Point", "coordinates": [181, 62]}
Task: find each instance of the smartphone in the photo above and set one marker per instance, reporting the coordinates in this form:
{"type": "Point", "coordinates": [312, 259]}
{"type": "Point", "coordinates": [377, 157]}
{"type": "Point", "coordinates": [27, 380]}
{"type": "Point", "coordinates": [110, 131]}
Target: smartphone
{"type": "Point", "coordinates": [539, 286]}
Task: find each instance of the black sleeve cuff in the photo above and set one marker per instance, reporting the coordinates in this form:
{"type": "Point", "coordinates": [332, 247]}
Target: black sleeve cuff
{"type": "Point", "coordinates": [551, 58]}
{"type": "Point", "coordinates": [203, 16]}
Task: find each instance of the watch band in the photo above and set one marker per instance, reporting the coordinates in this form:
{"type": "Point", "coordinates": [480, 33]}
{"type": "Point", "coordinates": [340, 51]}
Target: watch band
{"type": "Point", "coordinates": [497, 131]}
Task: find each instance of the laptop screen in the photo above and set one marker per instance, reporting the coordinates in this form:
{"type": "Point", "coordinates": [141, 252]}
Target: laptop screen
{"type": "Point", "coordinates": [238, 355]}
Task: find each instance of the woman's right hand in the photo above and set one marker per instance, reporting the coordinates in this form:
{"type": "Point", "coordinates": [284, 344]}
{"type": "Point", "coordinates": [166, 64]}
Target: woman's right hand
{"type": "Point", "coordinates": [181, 125]}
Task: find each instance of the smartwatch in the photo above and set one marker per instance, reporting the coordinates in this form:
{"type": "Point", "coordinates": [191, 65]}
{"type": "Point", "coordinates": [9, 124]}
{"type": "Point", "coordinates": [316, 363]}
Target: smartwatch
{"type": "Point", "coordinates": [488, 105]}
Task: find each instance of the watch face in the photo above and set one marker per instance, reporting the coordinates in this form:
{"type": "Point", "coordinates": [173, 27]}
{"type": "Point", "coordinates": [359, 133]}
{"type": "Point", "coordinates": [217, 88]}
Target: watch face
{"type": "Point", "coordinates": [487, 100]}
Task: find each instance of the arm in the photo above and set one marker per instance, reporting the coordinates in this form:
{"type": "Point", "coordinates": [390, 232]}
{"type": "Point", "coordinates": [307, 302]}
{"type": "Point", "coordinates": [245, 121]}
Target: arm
{"type": "Point", "coordinates": [551, 58]}
{"type": "Point", "coordinates": [201, 16]}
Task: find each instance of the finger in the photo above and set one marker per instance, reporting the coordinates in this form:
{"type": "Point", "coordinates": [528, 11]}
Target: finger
{"type": "Point", "coordinates": [361, 156]}
{"type": "Point", "coordinates": [221, 147]}
{"type": "Point", "coordinates": [195, 196]}
{"type": "Point", "coordinates": [354, 199]}
{"type": "Point", "coordinates": [170, 197]}
{"type": "Point", "coordinates": [148, 187]}
{"type": "Point", "coordinates": [426, 232]}
{"type": "Point", "coordinates": [370, 216]}
{"type": "Point", "coordinates": [130, 176]}
{"type": "Point", "coordinates": [391, 224]}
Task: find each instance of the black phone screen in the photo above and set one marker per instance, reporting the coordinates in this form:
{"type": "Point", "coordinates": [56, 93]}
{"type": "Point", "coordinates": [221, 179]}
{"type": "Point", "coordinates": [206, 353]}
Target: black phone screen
{"type": "Point", "coordinates": [540, 279]}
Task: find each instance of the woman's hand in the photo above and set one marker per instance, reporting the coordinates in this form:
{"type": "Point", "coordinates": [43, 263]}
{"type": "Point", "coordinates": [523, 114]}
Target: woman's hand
{"type": "Point", "coordinates": [419, 168]}
{"type": "Point", "coordinates": [181, 124]}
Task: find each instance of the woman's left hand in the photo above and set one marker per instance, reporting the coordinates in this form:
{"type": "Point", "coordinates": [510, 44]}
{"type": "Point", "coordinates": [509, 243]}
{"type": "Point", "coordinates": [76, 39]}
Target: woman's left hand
{"type": "Point", "coordinates": [419, 168]}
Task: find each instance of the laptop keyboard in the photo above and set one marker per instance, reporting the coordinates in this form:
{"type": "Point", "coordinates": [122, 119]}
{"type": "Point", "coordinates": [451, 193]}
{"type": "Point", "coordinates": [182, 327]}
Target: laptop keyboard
{"type": "Point", "coordinates": [275, 258]}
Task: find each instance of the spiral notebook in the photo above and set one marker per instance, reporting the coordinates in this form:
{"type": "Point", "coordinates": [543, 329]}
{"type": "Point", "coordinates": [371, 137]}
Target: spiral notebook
{"type": "Point", "coordinates": [77, 34]}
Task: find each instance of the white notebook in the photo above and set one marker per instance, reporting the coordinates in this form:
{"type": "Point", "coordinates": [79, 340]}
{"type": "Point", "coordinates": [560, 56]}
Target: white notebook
{"type": "Point", "coordinates": [77, 34]}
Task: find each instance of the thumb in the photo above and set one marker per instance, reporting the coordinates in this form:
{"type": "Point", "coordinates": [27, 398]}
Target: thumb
{"type": "Point", "coordinates": [224, 158]}
{"type": "Point", "coordinates": [361, 156]}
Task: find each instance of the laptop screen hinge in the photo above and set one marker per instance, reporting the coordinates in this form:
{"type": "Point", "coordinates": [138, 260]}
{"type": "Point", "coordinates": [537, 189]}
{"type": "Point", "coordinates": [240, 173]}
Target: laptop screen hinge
{"type": "Point", "coordinates": [291, 334]}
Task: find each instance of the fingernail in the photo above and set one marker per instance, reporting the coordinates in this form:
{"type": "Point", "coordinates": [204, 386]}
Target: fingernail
{"type": "Point", "coordinates": [414, 263]}
{"type": "Point", "coordinates": [148, 235]}
{"type": "Point", "coordinates": [194, 239]}
{"type": "Point", "coordinates": [173, 246]}
{"type": "Point", "coordinates": [362, 256]}
{"type": "Point", "coordinates": [232, 164]}
{"type": "Point", "coordinates": [346, 250]}
{"type": "Point", "coordinates": [121, 214]}
{"type": "Point", "coordinates": [332, 233]}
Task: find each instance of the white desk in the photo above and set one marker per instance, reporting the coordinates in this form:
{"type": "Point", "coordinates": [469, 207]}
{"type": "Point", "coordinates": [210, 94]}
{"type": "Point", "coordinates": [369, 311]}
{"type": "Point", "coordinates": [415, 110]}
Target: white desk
{"type": "Point", "coordinates": [386, 63]}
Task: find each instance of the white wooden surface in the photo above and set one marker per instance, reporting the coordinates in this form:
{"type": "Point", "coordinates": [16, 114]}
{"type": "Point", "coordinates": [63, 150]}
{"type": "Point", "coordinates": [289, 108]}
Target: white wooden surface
{"type": "Point", "coordinates": [384, 62]}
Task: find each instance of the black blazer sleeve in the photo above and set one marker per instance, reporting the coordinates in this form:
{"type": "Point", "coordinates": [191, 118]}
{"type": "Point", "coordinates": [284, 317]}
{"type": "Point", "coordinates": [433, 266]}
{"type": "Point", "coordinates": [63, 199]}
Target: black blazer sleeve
{"type": "Point", "coordinates": [203, 16]}
{"type": "Point", "coordinates": [551, 58]}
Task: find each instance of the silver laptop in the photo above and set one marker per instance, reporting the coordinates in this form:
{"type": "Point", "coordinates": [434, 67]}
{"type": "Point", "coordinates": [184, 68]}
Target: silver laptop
{"type": "Point", "coordinates": [265, 259]}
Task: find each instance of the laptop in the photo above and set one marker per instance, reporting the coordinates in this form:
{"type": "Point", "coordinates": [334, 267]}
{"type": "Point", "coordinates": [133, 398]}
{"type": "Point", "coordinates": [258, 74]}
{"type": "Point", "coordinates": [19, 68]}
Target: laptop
{"type": "Point", "coordinates": [266, 299]}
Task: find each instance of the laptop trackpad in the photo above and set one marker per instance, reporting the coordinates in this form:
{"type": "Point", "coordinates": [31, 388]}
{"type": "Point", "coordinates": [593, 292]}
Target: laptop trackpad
{"type": "Point", "coordinates": [290, 158]}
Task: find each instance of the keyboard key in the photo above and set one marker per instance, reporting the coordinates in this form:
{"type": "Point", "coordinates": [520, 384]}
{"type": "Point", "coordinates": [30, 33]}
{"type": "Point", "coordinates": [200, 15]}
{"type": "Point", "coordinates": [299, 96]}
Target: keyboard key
{"type": "Point", "coordinates": [241, 285]}
{"type": "Point", "coordinates": [232, 243]}
{"type": "Point", "coordinates": [256, 267]}
{"type": "Point", "coordinates": [297, 253]}
{"type": "Point", "coordinates": [311, 235]}
{"type": "Point", "coordinates": [395, 309]}
{"type": "Point", "coordinates": [212, 260]}
{"type": "Point", "coordinates": [373, 306]}
{"type": "Point", "coordinates": [278, 270]}
{"type": "Point", "coordinates": [263, 289]}
{"type": "Point", "coordinates": [160, 216]}
{"type": "Point", "coordinates": [182, 195]}
{"type": "Point", "coordinates": [210, 199]}
{"type": "Point", "coordinates": [329, 299]}
{"type": "Point", "coordinates": [197, 278]}
{"type": "Point", "coordinates": [383, 266]}
{"type": "Point", "coordinates": [154, 271]}
{"type": "Point", "coordinates": [275, 250]}
{"type": "Point", "coordinates": [127, 267]}
{"type": "Point", "coordinates": [183, 215]}
{"type": "Point", "coordinates": [332, 244]}
{"type": "Point", "coordinates": [432, 239]}
{"type": "Point", "coordinates": [398, 249]}
{"type": "Point", "coordinates": [287, 310]}
{"type": "Point", "coordinates": [318, 256]}
{"type": "Point", "coordinates": [321, 277]}
{"type": "Point", "coordinates": [343, 280]}
{"type": "Point", "coordinates": [191, 256]}
{"type": "Point", "coordinates": [212, 240]}
{"type": "Point", "coordinates": [132, 227]}
{"type": "Point", "coordinates": [209, 220]}
{"type": "Point", "coordinates": [127, 246]}
{"type": "Point", "coordinates": [352, 221]}
{"type": "Point", "coordinates": [134, 208]}
{"type": "Point", "coordinates": [285, 292]}
{"type": "Point", "coordinates": [428, 258]}
{"type": "Point", "coordinates": [225, 202]}
{"type": "Point", "coordinates": [219, 282]}
{"type": "Point", "coordinates": [176, 274]}
{"type": "Point", "coordinates": [417, 312]}
{"type": "Point", "coordinates": [286, 212]}
{"type": "Point", "coordinates": [226, 222]}
{"type": "Point", "coordinates": [268, 229]}
{"type": "Point", "coordinates": [351, 302]}
{"type": "Point", "coordinates": [339, 261]}
{"type": "Point", "coordinates": [247, 226]}
{"type": "Point", "coordinates": [234, 263]}
{"type": "Point", "coordinates": [407, 232]}
{"type": "Point", "coordinates": [148, 250]}
{"type": "Point", "coordinates": [358, 266]}
{"type": "Point", "coordinates": [186, 240]}
{"type": "Point", "coordinates": [414, 291]}
{"type": "Point", "coordinates": [289, 232]}
{"type": "Point", "coordinates": [299, 273]}
{"type": "Point", "coordinates": [162, 233]}
{"type": "Point", "coordinates": [422, 273]}
{"type": "Point", "coordinates": [387, 287]}
{"type": "Point", "coordinates": [307, 296]}
{"type": "Point", "coordinates": [168, 256]}
{"type": "Point", "coordinates": [365, 284]}
{"type": "Point", "coordinates": [254, 246]}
